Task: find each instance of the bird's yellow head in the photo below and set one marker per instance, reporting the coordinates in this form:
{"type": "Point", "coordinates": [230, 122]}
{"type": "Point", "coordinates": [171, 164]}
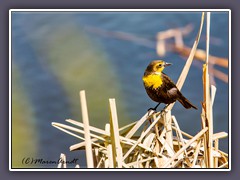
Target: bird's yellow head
{"type": "Point", "coordinates": [157, 66]}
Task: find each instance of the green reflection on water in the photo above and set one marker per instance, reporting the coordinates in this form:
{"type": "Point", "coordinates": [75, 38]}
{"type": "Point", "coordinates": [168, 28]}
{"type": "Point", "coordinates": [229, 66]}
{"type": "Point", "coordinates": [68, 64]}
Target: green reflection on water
{"type": "Point", "coordinates": [24, 137]}
{"type": "Point", "coordinates": [80, 64]}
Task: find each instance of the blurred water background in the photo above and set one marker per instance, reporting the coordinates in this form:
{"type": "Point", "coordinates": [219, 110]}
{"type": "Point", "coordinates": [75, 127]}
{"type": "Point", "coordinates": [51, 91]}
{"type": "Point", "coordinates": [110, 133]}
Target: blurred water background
{"type": "Point", "coordinates": [55, 55]}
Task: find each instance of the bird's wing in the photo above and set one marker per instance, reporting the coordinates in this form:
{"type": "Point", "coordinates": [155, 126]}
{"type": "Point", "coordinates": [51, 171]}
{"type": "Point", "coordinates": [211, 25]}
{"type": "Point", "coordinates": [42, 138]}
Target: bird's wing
{"type": "Point", "coordinates": [170, 88]}
{"type": "Point", "coordinates": [173, 93]}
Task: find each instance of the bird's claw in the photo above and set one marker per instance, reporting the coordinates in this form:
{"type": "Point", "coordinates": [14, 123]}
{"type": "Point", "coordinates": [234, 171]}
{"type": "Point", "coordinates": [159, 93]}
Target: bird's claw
{"type": "Point", "coordinates": [153, 109]}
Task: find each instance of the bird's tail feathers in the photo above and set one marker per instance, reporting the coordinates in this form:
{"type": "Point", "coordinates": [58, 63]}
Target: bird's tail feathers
{"type": "Point", "coordinates": [185, 102]}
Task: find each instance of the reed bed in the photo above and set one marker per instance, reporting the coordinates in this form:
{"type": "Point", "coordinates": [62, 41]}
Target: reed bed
{"type": "Point", "coordinates": [155, 140]}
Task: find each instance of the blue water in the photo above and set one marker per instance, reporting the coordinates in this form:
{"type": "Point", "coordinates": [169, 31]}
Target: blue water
{"type": "Point", "coordinates": [128, 59]}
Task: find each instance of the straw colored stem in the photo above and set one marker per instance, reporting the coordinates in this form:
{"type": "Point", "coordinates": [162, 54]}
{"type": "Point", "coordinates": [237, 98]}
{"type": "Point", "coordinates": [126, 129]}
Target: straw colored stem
{"type": "Point", "coordinates": [219, 135]}
{"type": "Point", "coordinates": [208, 99]}
{"type": "Point", "coordinates": [63, 126]}
{"type": "Point", "coordinates": [141, 161]}
{"type": "Point", "coordinates": [223, 165]}
{"type": "Point", "coordinates": [168, 125]}
{"type": "Point", "coordinates": [216, 145]}
{"type": "Point", "coordinates": [137, 125]}
{"type": "Point", "coordinates": [62, 162]}
{"type": "Point", "coordinates": [115, 132]}
{"type": "Point", "coordinates": [186, 68]}
{"type": "Point", "coordinates": [89, 154]}
{"type": "Point", "coordinates": [183, 133]}
{"type": "Point", "coordinates": [91, 128]}
{"type": "Point", "coordinates": [196, 153]}
{"type": "Point", "coordinates": [60, 127]}
{"type": "Point", "coordinates": [109, 149]}
{"type": "Point", "coordinates": [201, 55]}
{"type": "Point", "coordinates": [105, 134]}
{"type": "Point", "coordinates": [140, 139]}
{"type": "Point", "coordinates": [186, 146]}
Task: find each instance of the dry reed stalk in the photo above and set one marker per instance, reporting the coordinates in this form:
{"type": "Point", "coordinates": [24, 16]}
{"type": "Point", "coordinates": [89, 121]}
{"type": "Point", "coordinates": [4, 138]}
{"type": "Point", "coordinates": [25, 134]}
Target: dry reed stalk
{"type": "Point", "coordinates": [223, 165]}
{"type": "Point", "coordinates": [166, 144]}
{"type": "Point", "coordinates": [186, 68]}
{"type": "Point", "coordinates": [183, 133]}
{"type": "Point", "coordinates": [177, 34]}
{"type": "Point", "coordinates": [179, 134]}
{"type": "Point", "coordinates": [128, 127]}
{"type": "Point", "coordinates": [201, 55]}
{"type": "Point", "coordinates": [185, 147]}
{"type": "Point", "coordinates": [220, 75]}
{"type": "Point", "coordinates": [63, 127]}
{"type": "Point", "coordinates": [109, 149]}
{"type": "Point", "coordinates": [91, 128]}
{"type": "Point", "coordinates": [207, 106]}
{"type": "Point", "coordinates": [140, 161]}
{"type": "Point", "coordinates": [178, 130]}
{"type": "Point", "coordinates": [161, 47]}
{"type": "Point", "coordinates": [87, 136]}
{"type": "Point", "coordinates": [138, 124]}
{"type": "Point", "coordinates": [168, 125]}
{"type": "Point", "coordinates": [104, 134]}
{"type": "Point", "coordinates": [116, 146]}
{"type": "Point", "coordinates": [156, 147]}
{"type": "Point", "coordinates": [219, 135]}
{"type": "Point", "coordinates": [62, 162]}
{"type": "Point", "coordinates": [196, 153]}
{"type": "Point", "coordinates": [140, 138]}
{"type": "Point", "coordinates": [216, 145]}
{"type": "Point", "coordinates": [203, 117]}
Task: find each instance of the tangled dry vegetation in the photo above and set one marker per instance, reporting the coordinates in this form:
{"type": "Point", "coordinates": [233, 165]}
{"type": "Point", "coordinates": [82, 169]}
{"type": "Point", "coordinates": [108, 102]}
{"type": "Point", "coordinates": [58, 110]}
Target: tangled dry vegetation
{"type": "Point", "coordinates": [155, 140]}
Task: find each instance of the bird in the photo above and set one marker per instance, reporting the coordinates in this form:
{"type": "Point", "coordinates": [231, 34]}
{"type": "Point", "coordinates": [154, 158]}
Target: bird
{"type": "Point", "coordinates": [160, 88]}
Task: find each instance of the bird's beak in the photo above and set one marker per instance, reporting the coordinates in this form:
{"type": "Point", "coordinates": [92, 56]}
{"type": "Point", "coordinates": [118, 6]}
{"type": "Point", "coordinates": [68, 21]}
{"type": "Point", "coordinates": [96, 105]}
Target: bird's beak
{"type": "Point", "coordinates": [167, 64]}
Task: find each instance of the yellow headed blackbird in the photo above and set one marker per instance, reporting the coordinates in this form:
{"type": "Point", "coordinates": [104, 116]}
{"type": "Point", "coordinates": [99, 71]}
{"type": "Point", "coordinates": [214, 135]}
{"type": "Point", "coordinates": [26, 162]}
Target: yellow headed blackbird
{"type": "Point", "coordinates": [160, 87]}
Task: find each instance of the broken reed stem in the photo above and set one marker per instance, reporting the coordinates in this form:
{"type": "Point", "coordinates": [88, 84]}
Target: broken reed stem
{"type": "Point", "coordinates": [186, 68]}
{"type": "Point", "coordinates": [201, 55]}
{"type": "Point", "coordinates": [196, 153]}
{"type": "Point", "coordinates": [178, 130]}
{"type": "Point", "coordinates": [208, 99]}
{"type": "Point", "coordinates": [114, 129]}
{"type": "Point", "coordinates": [138, 124]}
{"type": "Point", "coordinates": [203, 116]}
{"type": "Point", "coordinates": [178, 133]}
{"type": "Point", "coordinates": [183, 133]}
{"type": "Point", "coordinates": [89, 154]}
{"type": "Point", "coordinates": [62, 162]}
{"type": "Point", "coordinates": [100, 131]}
{"type": "Point", "coordinates": [185, 147]}
{"type": "Point", "coordinates": [63, 128]}
{"type": "Point", "coordinates": [207, 36]}
{"type": "Point", "coordinates": [109, 149]}
{"type": "Point", "coordinates": [140, 138]}
{"type": "Point", "coordinates": [168, 125]}
{"type": "Point", "coordinates": [216, 146]}
{"type": "Point", "coordinates": [103, 135]}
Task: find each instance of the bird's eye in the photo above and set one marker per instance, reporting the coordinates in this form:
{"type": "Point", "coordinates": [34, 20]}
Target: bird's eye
{"type": "Point", "coordinates": [160, 65]}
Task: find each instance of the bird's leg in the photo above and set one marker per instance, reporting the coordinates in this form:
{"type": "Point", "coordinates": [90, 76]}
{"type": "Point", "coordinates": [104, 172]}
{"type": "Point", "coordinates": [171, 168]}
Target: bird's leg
{"type": "Point", "coordinates": [165, 108]}
{"type": "Point", "coordinates": [155, 108]}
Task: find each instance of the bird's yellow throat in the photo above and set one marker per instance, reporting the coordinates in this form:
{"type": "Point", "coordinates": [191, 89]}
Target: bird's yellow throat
{"type": "Point", "coordinates": [153, 80]}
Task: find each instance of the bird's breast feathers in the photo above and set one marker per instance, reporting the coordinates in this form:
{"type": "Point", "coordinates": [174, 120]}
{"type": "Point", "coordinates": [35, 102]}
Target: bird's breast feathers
{"type": "Point", "coordinates": [153, 80]}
